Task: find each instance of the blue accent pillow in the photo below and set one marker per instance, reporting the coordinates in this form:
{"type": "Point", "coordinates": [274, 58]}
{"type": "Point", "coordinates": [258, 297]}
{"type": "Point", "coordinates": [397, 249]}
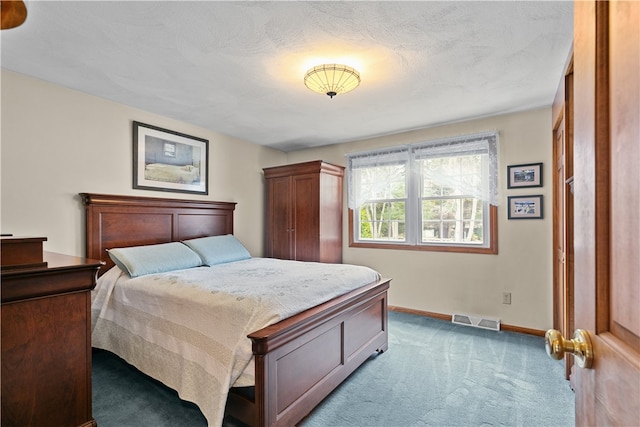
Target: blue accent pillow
{"type": "Point", "coordinates": [141, 260]}
{"type": "Point", "coordinates": [218, 249]}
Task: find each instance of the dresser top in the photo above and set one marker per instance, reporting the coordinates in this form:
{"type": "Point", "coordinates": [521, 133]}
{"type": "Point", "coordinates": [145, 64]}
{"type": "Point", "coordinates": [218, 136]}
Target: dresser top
{"type": "Point", "coordinates": [59, 274]}
{"type": "Point", "coordinates": [54, 262]}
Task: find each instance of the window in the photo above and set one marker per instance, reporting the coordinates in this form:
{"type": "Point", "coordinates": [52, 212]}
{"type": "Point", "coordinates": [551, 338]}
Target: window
{"type": "Point", "coordinates": [437, 195]}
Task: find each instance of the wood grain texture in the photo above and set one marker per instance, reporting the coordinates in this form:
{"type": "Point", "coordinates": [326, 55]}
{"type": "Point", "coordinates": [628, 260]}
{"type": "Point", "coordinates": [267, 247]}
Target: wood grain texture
{"type": "Point", "coordinates": [122, 221]}
{"type": "Point", "coordinates": [46, 350]}
{"type": "Point", "coordinates": [21, 252]}
{"type": "Point", "coordinates": [607, 102]}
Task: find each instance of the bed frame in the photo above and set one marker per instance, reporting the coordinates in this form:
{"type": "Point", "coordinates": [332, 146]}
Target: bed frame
{"type": "Point", "coordinates": [299, 360]}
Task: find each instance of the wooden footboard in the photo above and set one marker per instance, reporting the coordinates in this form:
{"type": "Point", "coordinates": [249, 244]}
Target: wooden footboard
{"type": "Point", "coordinates": [300, 360]}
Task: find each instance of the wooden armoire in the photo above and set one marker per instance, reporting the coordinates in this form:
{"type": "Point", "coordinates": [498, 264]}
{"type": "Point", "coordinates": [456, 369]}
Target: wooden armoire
{"type": "Point", "coordinates": [304, 212]}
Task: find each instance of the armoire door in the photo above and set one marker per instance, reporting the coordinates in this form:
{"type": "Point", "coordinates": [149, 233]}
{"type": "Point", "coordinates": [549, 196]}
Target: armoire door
{"type": "Point", "coordinates": [305, 217]}
{"type": "Point", "coordinates": [279, 236]}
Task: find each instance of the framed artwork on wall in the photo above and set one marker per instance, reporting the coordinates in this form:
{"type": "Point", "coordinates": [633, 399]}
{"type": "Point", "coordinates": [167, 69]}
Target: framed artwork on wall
{"type": "Point", "coordinates": [164, 160]}
{"type": "Point", "coordinates": [522, 176]}
{"type": "Point", "coordinates": [525, 207]}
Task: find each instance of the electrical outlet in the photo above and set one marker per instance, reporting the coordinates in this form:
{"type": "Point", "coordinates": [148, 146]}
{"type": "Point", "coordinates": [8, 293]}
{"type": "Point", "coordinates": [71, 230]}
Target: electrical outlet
{"type": "Point", "coordinates": [506, 297]}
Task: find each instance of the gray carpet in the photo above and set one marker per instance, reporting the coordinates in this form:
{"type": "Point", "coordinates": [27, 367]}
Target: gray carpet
{"type": "Point", "coordinates": [434, 374]}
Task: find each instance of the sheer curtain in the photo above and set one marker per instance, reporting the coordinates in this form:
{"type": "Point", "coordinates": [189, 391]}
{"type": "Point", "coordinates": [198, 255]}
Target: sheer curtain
{"type": "Point", "coordinates": [372, 173]}
{"type": "Point", "coordinates": [476, 159]}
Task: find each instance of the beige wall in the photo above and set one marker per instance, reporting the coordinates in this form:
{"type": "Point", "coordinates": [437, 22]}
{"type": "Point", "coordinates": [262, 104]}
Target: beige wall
{"type": "Point", "coordinates": [450, 283]}
{"type": "Point", "coordinates": [58, 142]}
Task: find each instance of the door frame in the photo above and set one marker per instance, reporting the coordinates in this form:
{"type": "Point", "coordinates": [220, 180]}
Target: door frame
{"type": "Point", "coordinates": [563, 270]}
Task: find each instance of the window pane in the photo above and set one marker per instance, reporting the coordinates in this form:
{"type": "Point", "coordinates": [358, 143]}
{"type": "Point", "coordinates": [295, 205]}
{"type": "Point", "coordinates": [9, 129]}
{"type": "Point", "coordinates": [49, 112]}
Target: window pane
{"type": "Point", "coordinates": [449, 231]}
{"type": "Point", "coordinates": [452, 221]}
{"type": "Point", "coordinates": [430, 231]}
{"type": "Point", "coordinates": [450, 208]}
{"type": "Point", "coordinates": [431, 209]}
{"type": "Point", "coordinates": [473, 232]}
{"type": "Point", "coordinates": [383, 221]}
{"type": "Point", "coordinates": [472, 209]}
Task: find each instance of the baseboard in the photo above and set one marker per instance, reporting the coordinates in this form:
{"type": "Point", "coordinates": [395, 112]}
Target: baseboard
{"type": "Point", "coordinates": [447, 317]}
{"type": "Point", "coordinates": [523, 330]}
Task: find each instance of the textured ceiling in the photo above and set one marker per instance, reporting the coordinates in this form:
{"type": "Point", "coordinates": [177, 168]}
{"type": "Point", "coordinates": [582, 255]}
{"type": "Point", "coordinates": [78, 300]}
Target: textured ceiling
{"type": "Point", "coordinates": [237, 67]}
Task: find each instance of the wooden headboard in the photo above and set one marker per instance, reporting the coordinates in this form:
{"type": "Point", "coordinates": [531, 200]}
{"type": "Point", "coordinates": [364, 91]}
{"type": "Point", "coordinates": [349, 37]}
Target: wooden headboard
{"type": "Point", "coordinates": [122, 221]}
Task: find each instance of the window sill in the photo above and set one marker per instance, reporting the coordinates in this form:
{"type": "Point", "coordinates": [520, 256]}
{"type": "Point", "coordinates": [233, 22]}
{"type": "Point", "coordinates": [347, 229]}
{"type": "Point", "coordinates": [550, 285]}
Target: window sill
{"type": "Point", "coordinates": [403, 247]}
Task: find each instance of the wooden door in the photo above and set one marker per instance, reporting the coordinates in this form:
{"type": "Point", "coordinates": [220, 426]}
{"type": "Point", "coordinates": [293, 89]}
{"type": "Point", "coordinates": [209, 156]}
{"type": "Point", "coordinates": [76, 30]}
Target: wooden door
{"type": "Point", "coordinates": [607, 209]}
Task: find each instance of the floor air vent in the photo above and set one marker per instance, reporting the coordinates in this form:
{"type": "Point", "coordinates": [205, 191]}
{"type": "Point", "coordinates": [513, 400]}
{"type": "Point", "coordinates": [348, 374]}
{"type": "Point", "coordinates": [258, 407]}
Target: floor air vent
{"type": "Point", "coordinates": [478, 322]}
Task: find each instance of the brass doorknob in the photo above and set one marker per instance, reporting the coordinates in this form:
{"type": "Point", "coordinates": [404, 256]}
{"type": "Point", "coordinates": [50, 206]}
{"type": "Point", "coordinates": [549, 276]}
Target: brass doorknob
{"type": "Point", "coordinates": [580, 346]}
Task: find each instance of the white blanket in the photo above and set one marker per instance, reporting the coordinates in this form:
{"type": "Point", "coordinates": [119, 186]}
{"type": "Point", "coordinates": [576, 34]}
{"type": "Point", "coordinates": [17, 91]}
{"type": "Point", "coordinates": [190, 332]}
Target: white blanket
{"type": "Point", "coordinates": [188, 328]}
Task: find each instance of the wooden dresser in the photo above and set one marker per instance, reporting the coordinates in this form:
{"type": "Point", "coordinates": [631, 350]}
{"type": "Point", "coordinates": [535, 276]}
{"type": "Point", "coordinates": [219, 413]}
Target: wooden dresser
{"type": "Point", "coordinates": [46, 340]}
{"type": "Point", "coordinates": [304, 212]}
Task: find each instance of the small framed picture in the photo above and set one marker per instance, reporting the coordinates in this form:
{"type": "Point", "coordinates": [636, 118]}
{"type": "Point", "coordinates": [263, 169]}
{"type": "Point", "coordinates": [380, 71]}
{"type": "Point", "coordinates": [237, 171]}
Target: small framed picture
{"type": "Point", "coordinates": [164, 160]}
{"type": "Point", "coordinates": [525, 207]}
{"type": "Point", "coordinates": [521, 176]}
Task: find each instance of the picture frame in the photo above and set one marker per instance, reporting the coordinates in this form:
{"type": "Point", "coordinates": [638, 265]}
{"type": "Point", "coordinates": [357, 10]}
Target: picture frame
{"type": "Point", "coordinates": [525, 207]}
{"type": "Point", "coordinates": [524, 176]}
{"type": "Point", "coordinates": [165, 160]}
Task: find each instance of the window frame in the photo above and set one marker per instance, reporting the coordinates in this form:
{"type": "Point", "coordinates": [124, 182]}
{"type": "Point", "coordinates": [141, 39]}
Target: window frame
{"type": "Point", "coordinates": [413, 234]}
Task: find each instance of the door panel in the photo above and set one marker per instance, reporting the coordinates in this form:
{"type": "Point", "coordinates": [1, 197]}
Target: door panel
{"type": "Point", "coordinates": [607, 206]}
{"type": "Point", "coordinates": [279, 218]}
{"type": "Point", "coordinates": [625, 172]}
{"type": "Point", "coordinates": [306, 228]}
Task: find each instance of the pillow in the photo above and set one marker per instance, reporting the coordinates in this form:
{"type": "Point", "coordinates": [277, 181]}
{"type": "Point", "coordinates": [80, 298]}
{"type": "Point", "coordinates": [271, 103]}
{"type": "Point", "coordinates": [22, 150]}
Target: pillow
{"type": "Point", "coordinates": [218, 249]}
{"type": "Point", "coordinates": [141, 260]}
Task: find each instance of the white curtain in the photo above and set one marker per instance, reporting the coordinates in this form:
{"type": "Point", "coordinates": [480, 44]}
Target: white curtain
{"type": "Point", "coordinates": [478, 179]}
{"type": "Point", "coordinates": [423, 162]}
{"type": "Point", "coordinates": [372, 174]}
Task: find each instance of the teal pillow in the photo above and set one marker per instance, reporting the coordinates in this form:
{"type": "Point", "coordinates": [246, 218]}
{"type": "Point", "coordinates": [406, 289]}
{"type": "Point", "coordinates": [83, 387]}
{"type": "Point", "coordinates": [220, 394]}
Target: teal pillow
{"type": "Point", "coordinates": [141, 260]}
{"type": "Point", "coordinates": [218, 249]}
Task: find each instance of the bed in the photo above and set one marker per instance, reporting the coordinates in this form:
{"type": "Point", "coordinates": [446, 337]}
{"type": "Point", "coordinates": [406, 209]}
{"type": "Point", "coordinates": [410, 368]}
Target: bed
{"type": "Point", "coordinates": [297, 361]}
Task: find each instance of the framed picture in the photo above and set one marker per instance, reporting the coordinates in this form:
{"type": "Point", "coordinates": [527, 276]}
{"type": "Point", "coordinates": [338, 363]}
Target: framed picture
{"type": "Point", "coordinates": [521, 176]}
{"type": "Point", "coordinates": [165, 160]}
{"type": "Point", "coordinates": [525, 207]}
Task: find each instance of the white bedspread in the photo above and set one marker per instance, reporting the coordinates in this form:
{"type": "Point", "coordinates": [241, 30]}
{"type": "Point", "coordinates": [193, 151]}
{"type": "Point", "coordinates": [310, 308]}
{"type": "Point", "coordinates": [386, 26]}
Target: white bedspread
{"type": "Point", "coordinates": [188, 328]}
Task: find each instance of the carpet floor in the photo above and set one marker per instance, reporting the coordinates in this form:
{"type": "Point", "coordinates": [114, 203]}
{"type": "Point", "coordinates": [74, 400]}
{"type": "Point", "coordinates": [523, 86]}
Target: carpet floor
{"type": "Point", "coordinates": [435, 373]}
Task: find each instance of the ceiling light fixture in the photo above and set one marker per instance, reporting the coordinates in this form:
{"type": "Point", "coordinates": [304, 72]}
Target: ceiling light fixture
{"type": "Point", "coordinates": [332, 79]}
{"type": "Point", "coordinates": [13, 14]}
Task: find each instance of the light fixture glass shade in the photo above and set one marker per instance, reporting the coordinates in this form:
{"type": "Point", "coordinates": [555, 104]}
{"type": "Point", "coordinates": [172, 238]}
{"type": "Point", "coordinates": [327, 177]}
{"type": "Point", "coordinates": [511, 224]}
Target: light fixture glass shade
{"type": "Point", "coordinates": [13, 12]}
{"type": "Point", "coordinates": [332, 79]}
